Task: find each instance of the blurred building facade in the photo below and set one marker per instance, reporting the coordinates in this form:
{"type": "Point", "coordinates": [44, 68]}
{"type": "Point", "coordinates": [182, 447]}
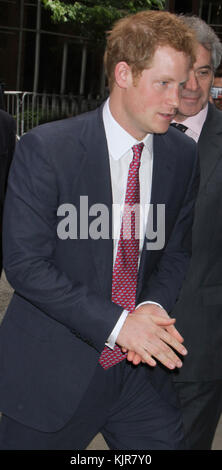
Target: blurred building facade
{"type": "Point", "coordinates": [37, 55]}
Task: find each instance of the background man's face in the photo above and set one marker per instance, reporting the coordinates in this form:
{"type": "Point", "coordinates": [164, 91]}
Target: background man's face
{"type": "Point", "coordinates": [150, 103]}
{"type": "Point", "coordinates": [196, 92]}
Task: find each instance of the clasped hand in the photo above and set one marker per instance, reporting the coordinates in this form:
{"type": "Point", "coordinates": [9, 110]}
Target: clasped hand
{"type": "Point", "coordinates": [148, 334]}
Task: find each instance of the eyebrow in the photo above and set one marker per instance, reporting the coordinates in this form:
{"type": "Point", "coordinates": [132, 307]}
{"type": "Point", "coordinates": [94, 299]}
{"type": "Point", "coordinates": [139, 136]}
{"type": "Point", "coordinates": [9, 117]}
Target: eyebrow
{"type": "Point", "coordinates": [165, 79]}
{"type": "Point", "coordinates": [204, 67]}
{"type": "Point", "coordinates": [169, 79]}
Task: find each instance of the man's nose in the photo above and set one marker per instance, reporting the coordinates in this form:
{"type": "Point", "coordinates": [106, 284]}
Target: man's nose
{"type": "Point", "coordinates": [173, 97]}
{"type": "Point", "coordinates": [192, 82]}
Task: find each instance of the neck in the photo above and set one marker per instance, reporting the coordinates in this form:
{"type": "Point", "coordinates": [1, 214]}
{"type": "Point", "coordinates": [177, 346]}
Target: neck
{"type": "Point", "coordinates": [117, 109]}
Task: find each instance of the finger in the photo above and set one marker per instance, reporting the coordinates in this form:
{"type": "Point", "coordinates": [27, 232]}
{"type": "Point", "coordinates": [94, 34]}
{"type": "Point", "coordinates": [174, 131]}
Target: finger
{"type": "Point", "coordinates": [171, 328]}
{"type": "Point", "coordinates": [148, 359]}
{"type": "Point", "coordinates": [134, 358]}
{"type": "Point", "coordinates": [162, 320]}
{"type": "Point", "coordinates": [130, 356]}
{"type": "Point", "coordinates": [168, 358]}
{"type": "Point", "coordinates": [143, 356]}
{"type": "Point", "coordinates": [169, 362]}
{"type": "Point", "coordinates": [172, 357]}
{"type": "Point", "coordinates": [175, 333]}
{"type": "Point", "coordinates": [171, 341]}
{"type": "Point", "coordinates": [161, 351]}
{"type": "Point", "coordinates": [164, 355]}
{"type": "Point", "coordinates": [137, 359]}
{"type": "Point", "coordinates": [124, 350]}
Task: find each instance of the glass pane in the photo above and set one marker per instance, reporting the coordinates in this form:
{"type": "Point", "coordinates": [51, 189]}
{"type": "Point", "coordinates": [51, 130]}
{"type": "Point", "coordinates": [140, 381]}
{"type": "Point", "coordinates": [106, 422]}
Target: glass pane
{"type": "Point", "coordinates": [9, 13]}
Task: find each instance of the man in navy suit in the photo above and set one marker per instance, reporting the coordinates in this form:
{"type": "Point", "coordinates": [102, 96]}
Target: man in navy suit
{"type": "Point", "coordinates": [199, 381]}
{"type": "Point", "coordinates": [57, 390]}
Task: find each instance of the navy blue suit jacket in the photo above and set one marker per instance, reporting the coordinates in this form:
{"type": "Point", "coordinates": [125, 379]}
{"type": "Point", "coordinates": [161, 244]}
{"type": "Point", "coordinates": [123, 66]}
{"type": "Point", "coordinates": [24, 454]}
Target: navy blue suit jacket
{"type": "Point", "coordinates": [61, 313]}
{"type": "Point", "coordinates": [198, 310]}
{"type": "Point", "coordinates": [7, 145]}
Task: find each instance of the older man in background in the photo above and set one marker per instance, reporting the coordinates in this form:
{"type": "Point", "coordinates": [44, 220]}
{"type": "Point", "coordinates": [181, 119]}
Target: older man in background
{"type": "Point", "coordinates": [199, 308]}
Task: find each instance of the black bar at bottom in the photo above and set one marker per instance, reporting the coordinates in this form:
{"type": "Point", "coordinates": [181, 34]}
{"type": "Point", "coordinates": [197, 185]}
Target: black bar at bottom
{"type": "Point", "coordinates": [106, 459]}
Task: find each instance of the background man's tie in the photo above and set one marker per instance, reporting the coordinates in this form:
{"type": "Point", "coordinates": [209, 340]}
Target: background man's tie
{"type": "Point", "coordinates": [124, 281]}
{"type": "Point", "coordinates": [179, 126]}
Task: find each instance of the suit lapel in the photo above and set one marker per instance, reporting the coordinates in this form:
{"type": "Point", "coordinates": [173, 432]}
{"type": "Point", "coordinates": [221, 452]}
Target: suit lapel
{"type": "Point", "coordinates": [210, 144]}
{"type": "Point", "coordinates": [162, 180]}
{"type": "Point", "coordinates": [99, 190]}
{"type": "Point", "coordinates": [163, 169]}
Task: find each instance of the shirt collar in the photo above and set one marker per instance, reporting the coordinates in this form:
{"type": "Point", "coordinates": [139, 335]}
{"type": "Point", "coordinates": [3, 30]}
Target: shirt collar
{"type": "Point", "coordinates": [195, 123]}
{"type": "Point", "coordinates": [118, 140]}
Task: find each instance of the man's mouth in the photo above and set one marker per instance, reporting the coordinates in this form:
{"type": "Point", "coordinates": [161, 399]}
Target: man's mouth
{"type": "Point", "coordinates": [168, 116]}
{"type": "Point", "coordinates": [190, 98]}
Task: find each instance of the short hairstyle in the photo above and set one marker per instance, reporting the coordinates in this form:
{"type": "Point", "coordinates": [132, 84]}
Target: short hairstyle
{"type": "Point", "coordinates": [206, 36]}
{"type": "Point", "coordinates": [135, 38]}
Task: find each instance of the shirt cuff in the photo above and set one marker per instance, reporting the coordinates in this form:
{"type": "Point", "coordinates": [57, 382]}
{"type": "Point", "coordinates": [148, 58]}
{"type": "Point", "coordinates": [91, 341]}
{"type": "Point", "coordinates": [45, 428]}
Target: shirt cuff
{"type": "Point", "coordinates": [111, 341]}
{"type": "Point", "coordinates": [148, 302]}
{"type": "Point", "coordinates": [113, 336]}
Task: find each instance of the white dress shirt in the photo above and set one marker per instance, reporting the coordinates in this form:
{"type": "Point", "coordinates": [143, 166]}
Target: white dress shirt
{"type": "Point", "coordinates": [120, 145]}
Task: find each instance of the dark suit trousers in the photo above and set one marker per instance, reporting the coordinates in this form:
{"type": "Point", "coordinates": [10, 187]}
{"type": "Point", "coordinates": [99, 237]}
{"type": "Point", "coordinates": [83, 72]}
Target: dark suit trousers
{"type": "Point", "coordinates": [201, 404]}
{"type": "Point", "coordinates": [131, 406]}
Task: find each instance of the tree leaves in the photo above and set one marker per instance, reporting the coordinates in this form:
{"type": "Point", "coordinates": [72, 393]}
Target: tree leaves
{"type": "Point", "coordinates": [96, 16]}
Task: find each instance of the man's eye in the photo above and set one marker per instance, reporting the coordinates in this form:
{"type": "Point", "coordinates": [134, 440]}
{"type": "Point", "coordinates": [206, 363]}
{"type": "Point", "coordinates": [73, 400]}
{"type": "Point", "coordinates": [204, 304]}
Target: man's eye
{"type": "Point", "coordinates": [163, 83]}
{"type": "Point", "coordinates": [203, 73]}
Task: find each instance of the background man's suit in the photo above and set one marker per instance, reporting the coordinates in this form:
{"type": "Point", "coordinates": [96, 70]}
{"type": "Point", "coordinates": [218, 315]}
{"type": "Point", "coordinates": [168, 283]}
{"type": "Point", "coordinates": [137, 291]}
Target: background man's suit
{"type": "Point", "coordinates": [7, 145]}
{"type": "Point", "coordinates": [61, 314]}
{"type": "Point", "coordinates": [199, 308]}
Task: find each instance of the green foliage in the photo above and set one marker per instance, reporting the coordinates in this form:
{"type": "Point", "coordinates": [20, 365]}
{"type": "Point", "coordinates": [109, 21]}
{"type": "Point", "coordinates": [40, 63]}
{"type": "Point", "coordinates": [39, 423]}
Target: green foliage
{"type": "Point", "coordinates": [94, 17]}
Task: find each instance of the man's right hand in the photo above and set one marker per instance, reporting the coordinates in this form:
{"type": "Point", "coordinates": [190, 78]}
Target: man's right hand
{"type": "Point", "coordinates": [149, 333]}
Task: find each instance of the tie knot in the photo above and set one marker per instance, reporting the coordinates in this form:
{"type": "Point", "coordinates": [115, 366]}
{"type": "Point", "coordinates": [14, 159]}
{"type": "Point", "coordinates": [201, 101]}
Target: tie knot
{"type": "Point", "coordinates": [137, 151]}
{"type": "Point", "coordinates": [179, 126]}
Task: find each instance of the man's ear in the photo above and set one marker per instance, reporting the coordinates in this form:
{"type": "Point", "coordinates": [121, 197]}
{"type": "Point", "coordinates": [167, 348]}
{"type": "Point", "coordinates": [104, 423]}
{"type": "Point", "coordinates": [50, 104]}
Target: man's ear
{"type": "Point", "coordinates": [123, 74]}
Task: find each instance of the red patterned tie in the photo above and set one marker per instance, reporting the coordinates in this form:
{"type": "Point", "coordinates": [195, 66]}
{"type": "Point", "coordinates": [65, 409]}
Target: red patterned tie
{"type": "Point", "coordinates": [124, 282]}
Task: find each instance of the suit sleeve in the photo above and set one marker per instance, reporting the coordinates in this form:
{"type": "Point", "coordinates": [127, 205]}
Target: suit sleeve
{"type": "Point", "coordinates": [165, 283]}
{"type": "Point", "coordinates": [8, 138]}
{"type": "Point", "coordinates": [29, 240]}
